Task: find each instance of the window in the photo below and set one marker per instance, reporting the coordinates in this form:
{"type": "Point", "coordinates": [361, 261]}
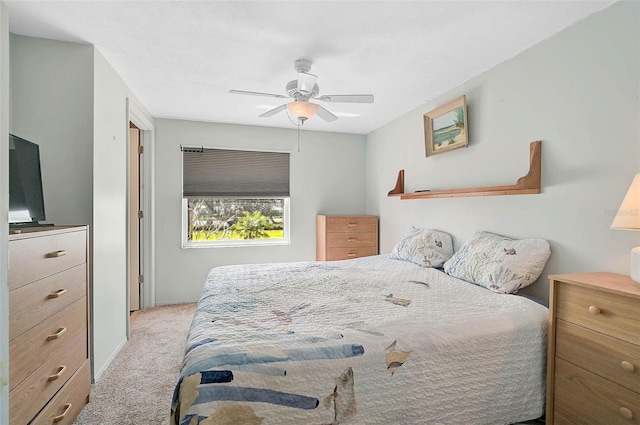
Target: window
{"type": "Point", "coordinates": [234, 197]}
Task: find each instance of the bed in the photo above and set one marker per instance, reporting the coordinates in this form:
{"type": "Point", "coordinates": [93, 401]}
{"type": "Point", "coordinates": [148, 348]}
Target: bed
{"type": "Point", "coordinates": [371, 340]}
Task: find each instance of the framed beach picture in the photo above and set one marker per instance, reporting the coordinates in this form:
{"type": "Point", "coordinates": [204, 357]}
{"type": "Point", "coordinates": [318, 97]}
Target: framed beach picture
{"type": "Point", "coordinates": [445, 128]}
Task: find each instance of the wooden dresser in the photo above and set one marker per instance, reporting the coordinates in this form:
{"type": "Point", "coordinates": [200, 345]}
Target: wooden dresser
{"type": "Point", "coordinates": [341, 237]}
{"type": "Point", "coordinates": [49, 369]}
{"type": "Point", "coordinates": [593, 364]}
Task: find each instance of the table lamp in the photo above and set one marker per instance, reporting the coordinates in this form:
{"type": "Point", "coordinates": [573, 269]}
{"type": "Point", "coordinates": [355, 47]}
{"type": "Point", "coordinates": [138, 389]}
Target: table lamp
{"type": "Point", "coordinates": [628, 218]}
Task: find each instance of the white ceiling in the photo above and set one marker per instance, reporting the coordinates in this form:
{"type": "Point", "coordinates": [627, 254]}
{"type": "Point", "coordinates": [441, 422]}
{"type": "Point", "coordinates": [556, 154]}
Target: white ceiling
{"type": "Point", "coordinates": [182, 57]}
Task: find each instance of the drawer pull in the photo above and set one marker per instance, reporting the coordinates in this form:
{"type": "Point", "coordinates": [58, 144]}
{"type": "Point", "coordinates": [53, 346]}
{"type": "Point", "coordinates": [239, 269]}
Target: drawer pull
{"type": "Point", "coordinates": [56, 375]}
{"type": "Point", "coordinates": [57, 334]}
{"type": "Point", "coordinates": [352, 224]}
{"type": "Point", "coordinates": [56, 294]}
{"type": "Point", "coordinates": [626, 413]}
{"type": "Point", "coordinates": [352, 254]}
{"type": "Point", "coordinates": [61, 416]}
{"type": "Point", "coordinates": [627, 366]}
{"type": "Point", "coordinates": [352, 240]}
{"type": "Point", "coordinates": [594, 310]}
{"type": "Point", "coordinates": [55, 254]}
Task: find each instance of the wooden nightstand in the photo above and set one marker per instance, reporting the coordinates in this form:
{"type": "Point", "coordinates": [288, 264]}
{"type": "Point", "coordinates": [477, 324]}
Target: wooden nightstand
{"type": "Point", "coordinates": [593, 363]}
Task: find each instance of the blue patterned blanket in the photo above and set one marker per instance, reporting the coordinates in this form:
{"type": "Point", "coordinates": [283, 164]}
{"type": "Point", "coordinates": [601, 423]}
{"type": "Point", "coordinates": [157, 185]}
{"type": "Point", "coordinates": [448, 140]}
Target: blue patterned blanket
{"type": "Point", "coordinates": [363, 341]}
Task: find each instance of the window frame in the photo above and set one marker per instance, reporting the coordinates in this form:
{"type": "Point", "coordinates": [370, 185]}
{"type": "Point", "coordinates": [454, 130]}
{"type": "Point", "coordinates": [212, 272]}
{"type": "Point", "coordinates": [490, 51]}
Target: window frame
{"type": "Point", "coordinates": [229, 243]}
{"type": "Point", "coordinates": [286, 240]}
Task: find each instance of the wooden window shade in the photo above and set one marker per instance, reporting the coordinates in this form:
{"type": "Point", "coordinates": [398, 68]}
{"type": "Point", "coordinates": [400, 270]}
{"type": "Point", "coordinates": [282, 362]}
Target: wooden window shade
{"type": "Point", "coordinates": [235, 173]}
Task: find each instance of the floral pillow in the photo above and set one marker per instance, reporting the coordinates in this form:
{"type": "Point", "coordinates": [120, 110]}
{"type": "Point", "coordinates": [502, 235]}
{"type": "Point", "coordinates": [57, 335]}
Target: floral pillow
{"type": "Point", "coordinates": [499, 263]}
{"type": "Point", "coordinates": [425, 247]}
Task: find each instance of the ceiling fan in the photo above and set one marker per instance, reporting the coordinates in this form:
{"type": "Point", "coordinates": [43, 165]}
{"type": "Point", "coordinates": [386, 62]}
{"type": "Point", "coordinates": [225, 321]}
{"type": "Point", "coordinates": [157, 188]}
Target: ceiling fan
{"type": "Point", "coordinates": [302, 90]}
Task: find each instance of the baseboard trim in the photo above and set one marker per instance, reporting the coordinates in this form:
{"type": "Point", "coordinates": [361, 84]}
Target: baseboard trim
{"type": "Point", "coordinates": [98, 374]}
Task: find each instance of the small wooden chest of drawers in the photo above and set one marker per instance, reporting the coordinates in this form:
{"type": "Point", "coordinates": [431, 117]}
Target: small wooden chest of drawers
{"type": "Point", "coordinates": [593, 363]}
{"type": "Point", "coordinates": [341, 237]}
{"type": "Point", "coordinates": [49, 369]}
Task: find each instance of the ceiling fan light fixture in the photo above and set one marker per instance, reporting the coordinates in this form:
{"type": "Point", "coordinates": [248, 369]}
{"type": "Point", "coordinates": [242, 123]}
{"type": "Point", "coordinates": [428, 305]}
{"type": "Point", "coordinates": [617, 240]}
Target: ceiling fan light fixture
{"type": "Point", "coordinates": [302, 110]}
{"type": "Point", "coordinates": [303, 89]}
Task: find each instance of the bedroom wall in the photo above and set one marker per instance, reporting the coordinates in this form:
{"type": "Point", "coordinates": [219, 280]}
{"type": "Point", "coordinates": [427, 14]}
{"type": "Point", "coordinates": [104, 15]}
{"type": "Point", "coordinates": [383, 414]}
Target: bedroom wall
{"type": "Point", "coordinates": [110, 188]}
{"type": "Point", "coordinates": [578, 92]}
{"type": "Point", "coordinates": [67, 98]}
{"type": "Point", "coordinates": [327, 177]}
{"type": "Point", "coordinates": [4, 213]}
{"type": "Point", "coordinates": [52, 105]}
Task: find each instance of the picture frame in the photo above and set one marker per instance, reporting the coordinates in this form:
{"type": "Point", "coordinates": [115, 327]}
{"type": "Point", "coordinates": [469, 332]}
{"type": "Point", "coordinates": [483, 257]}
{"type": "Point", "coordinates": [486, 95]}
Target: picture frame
{"type": "Point", "coordinates": [446, 127]}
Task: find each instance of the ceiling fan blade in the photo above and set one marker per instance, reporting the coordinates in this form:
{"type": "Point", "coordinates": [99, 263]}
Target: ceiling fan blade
{"type": "Point", "coordinates": [273, 111]}
{"type": "Point", "coordinates": [255, 93]}
{"type": "Point", "coordinates": [306, 82]}
{"type": "Point", "coordinates": [325, 114]}
{"type": "Point", "coordinates": [347, 98]}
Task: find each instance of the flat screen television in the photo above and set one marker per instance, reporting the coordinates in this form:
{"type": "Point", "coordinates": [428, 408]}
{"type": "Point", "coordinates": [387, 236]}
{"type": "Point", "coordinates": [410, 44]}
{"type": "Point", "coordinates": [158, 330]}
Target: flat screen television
{"type": "Point", "coordinates": [26, 201]}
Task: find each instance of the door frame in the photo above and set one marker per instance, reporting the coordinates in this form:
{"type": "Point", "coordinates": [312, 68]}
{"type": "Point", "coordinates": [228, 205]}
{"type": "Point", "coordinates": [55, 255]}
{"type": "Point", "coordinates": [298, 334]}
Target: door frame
{"type": "Point", "coordinates": [4, 209]}
{"type": "Point", "coordinates": [137, 116]}
{"type": "Point", "coordinates": [135, 222]}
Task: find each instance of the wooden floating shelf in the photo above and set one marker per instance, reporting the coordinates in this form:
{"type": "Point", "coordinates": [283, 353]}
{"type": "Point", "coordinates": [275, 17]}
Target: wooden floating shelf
{"type": "Point", "coordinates": [527, 184]}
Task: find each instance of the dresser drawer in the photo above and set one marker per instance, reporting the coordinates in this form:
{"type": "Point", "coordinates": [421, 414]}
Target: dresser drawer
{"type": "Point", "coordinates": [34, 392]}
{"type": "Point", "coordinates": [341, 237]}
{"type": "Point", "coordinates": [352, 224]}
{"type": "Point", "coordinates": [34, 347]}
{"type": "Point", "coordinates": [347, 240]}
{"type": "Point", "coordinates": [611, 358]}
{"type": "Point", "coordinates": [604, 312]}
{"type": "Point", "coordinates": [67, 404]}
{"type": "Point", "coordinates": [334, 254]}
{"type": "Point", "coordinates": [31, 304]}
{"type": "Point", "coordinates": [35, 257]}
{"type": "Point", "coordinates": [584, 398]}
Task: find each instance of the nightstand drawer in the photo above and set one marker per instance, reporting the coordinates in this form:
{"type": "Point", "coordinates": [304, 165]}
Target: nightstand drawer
{"type": "Point", "coordinates": [31, 304]}
{"type": "Point", "coordinates": [611, 358]}
{"type": "Point", "coordinates": [347, 240]}
{"type": "Point", "coordinates": [33, 257]}
{"type": "Point", "coordinates": [604, 312]}
{"type": "Point", "coordinates": [349, 253]}
{"type": "Point", "coordinates": [585, 399]}
{"type": "Point", "coordinates": [352, 224]}
{"type": "Point", "coordinates": [28, 351]}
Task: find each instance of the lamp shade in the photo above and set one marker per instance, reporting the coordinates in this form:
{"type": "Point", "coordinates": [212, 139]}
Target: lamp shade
{"type": "Point", "coordinates": [628, 216]}
{"type": "Point", "coordinates": [302, 110]}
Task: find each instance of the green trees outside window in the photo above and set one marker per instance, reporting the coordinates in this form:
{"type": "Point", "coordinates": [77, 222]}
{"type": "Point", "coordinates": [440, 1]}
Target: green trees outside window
{"type": "Point", "coordinates": [219, 219]}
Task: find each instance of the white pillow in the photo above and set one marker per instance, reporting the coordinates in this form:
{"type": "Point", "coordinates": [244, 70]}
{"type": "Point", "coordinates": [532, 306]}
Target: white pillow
{"type": "Point", "coordinates": [499, 263]}
{"type": "Point", "coordinates": [425, 247]}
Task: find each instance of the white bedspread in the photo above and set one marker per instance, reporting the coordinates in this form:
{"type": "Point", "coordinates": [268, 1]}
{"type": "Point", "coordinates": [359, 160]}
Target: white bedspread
{"type": "Point", "coordinates": [364, 341]}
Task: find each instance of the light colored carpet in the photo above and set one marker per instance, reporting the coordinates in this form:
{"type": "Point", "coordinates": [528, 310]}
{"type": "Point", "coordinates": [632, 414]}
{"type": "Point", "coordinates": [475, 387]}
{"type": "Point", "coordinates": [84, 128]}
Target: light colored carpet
{"type": "Point", "coordinates": [138, 385]}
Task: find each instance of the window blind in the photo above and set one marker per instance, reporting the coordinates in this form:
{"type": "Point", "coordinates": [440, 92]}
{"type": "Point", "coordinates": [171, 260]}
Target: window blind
{"type": "Point", "coordinates": [234, 173]}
